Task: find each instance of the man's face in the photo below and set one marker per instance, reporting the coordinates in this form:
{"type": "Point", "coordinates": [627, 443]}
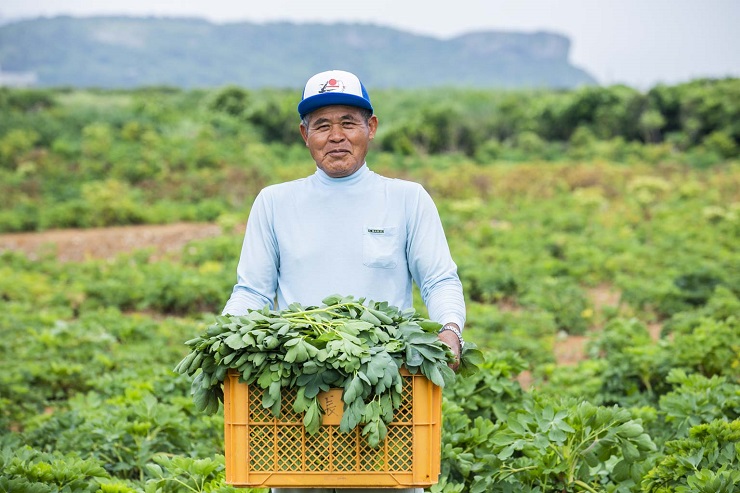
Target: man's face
{"type": "Point", "coordinates": [338, 137]}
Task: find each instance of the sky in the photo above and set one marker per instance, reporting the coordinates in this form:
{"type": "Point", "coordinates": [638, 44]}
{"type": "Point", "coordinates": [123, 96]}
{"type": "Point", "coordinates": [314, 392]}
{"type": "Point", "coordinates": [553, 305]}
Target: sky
{"type": "Point", "coordinates": [636, 42]}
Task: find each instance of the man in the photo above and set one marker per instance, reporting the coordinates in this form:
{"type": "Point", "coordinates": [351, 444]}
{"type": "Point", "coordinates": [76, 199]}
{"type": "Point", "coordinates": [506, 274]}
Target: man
{"type": "Point", "coordinates": [345, 229]}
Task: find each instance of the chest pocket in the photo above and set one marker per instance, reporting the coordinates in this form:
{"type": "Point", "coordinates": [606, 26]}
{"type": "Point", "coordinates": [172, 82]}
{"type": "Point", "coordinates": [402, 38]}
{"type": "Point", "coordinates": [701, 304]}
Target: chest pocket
{"type": "Point", "coordinates": [380, 247]}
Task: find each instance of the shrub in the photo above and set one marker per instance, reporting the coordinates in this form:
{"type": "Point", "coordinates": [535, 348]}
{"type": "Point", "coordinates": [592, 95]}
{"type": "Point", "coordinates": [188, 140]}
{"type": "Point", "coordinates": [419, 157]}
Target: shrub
{"type": "Point", "coordinates": [707, 461]}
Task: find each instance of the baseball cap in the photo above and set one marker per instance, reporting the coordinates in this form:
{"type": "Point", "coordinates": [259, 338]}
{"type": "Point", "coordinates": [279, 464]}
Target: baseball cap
{"type": "Point", "coordinates": [333, 87]}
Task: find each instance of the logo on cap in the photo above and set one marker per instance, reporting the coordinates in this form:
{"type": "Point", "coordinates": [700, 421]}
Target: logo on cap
{"type": "Point", "coordinates": [332, 85]}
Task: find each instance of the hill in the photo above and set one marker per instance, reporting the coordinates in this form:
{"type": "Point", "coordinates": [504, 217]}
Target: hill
{"type": "Point", "coordinates": [126, 52]}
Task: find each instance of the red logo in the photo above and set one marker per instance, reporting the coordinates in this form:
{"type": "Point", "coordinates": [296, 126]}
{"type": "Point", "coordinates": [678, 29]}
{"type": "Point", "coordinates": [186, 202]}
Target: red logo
{"type": "Point", "coordinates": [332, 85]}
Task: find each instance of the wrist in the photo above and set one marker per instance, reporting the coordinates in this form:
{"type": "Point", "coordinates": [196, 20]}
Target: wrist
{"type": "Point", "coordinates": [451, 327]}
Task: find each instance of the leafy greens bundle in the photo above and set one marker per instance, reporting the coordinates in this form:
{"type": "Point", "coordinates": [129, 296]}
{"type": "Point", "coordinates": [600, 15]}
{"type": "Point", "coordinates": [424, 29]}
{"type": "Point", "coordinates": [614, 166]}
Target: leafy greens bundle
{"type": "Point", "coordinates": [345, 343]}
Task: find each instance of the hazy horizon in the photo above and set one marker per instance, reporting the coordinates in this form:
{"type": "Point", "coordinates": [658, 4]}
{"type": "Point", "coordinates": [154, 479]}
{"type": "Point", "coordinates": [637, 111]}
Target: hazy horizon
{"type": "Point", "coordinates": [629, 41]}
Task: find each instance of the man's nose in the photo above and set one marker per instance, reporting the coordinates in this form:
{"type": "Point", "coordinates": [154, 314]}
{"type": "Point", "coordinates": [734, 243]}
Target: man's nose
{"type": "Point", "coordinates": [336, 133]}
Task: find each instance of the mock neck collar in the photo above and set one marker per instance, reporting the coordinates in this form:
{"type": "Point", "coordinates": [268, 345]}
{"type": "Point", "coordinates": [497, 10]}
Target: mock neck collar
{"type": "Point", "coordinates": [355, 177]}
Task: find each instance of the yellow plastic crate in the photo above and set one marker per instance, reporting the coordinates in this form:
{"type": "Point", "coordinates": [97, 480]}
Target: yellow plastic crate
{"type": "Point", "coordinates": [262, 451]}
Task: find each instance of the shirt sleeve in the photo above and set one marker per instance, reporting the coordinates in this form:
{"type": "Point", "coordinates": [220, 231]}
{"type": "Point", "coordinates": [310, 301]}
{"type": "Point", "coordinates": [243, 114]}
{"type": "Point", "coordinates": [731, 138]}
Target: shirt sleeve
{"type": "Point", "coordinates": [431, 264]}
{"type": "Point", "coordinates": [257, 270]}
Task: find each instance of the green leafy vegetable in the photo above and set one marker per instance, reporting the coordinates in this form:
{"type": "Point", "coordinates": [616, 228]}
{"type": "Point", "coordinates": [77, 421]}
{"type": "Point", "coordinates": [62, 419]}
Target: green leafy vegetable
{"type": "Point", "coordinates": [345, 343]}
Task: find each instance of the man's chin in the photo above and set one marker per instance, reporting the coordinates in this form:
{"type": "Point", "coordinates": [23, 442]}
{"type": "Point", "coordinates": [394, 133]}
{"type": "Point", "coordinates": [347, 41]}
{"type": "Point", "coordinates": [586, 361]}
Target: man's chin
{"type": "Point", "coordinates": [339, 167]}
{"type": "Point", "coordinates": [339, 170]}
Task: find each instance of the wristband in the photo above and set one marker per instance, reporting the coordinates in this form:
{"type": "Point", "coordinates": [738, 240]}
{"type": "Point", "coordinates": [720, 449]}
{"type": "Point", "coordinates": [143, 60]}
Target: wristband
{"type": "Point", "coordinates": [452, 328]}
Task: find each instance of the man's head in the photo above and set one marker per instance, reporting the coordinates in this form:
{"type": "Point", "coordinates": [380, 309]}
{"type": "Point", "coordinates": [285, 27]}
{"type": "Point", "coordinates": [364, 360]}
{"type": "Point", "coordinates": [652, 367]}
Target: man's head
{"type": "Point", "coordinates": [333, 87]}
{"type": "Point", "coordinates": [337, 122]}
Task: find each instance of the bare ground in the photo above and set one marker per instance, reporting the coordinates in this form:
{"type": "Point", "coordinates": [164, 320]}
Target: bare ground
{"type": "Point", "coordinates": [570, 349]}
{"type": "Point", "coordinates": [73, 245]}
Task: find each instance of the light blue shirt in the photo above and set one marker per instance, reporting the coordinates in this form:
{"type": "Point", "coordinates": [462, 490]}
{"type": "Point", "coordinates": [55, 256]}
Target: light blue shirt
{"type": "Point", "coordinates": [363, 235]}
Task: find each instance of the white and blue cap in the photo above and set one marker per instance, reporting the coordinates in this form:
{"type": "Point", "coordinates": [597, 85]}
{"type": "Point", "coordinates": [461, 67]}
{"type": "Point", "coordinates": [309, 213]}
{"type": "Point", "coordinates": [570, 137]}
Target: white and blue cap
{"type": "Point", "coordinates": [333, 87]}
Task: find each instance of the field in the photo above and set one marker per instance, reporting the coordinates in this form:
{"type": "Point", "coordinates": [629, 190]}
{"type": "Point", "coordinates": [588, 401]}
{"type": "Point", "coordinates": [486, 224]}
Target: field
{"type": "Point", "coordinates": [601, 275]}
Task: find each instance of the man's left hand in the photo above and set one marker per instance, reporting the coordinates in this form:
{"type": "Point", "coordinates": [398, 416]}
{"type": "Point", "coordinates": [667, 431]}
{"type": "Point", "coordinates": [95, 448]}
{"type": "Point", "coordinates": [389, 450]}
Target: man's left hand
{"type": "Point", "coordinates": [449, 338]}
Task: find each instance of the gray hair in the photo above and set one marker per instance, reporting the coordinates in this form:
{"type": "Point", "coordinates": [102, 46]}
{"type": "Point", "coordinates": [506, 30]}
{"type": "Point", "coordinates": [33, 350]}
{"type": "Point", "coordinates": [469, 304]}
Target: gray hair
{"type": "Point", "coordinates": [365, 113]}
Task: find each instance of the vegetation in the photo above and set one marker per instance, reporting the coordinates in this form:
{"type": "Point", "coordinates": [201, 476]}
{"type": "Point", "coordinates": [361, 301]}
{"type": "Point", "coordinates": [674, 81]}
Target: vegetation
{"type": "Point", "coordinates": [83, 159]}
{"type": "Point", "coordinates": [129, 52]}
{"type": "Point", "coordinates": [357, 345]}
{"type": "Point", "coordinates": [542, 213]}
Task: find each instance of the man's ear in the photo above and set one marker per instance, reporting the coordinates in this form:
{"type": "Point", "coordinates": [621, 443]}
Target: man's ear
{"type": "Point", "coordinates": [304, 133]}
{"type": "Point", "coordinates": [372, 123]}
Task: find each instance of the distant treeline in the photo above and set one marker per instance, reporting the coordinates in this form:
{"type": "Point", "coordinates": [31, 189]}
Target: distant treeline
{"type": "Point", "coordinates": [544, 123]}
{"type": "Point", "coordinates": [486, 124]}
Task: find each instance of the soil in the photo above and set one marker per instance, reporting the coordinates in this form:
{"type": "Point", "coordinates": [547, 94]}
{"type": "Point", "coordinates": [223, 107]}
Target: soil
{"type": "Point", "coordinates": [74, 245]}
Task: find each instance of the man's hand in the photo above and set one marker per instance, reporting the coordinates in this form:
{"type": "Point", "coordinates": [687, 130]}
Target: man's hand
{"type": "Point", "coordinates": [449, 338]}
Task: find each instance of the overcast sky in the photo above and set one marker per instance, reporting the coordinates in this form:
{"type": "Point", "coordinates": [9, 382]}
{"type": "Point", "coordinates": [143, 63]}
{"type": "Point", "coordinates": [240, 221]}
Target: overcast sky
{"type": "Point", "coordinates": [637, 42]}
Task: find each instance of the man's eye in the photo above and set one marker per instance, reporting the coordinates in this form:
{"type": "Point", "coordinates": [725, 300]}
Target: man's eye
{"type": "Point", "coordinates": [349, 124]}
{"type": "Point", "coordinates": [322, 128]}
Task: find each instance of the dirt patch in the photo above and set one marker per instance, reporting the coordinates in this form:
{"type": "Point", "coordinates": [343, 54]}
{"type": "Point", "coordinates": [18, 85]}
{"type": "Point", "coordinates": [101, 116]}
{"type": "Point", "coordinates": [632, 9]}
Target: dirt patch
{"type": "Point", "coordinates": [74, 245]}
{"type": "Point", "coordinates": [603, 295]}
{"type": "Point", "coordinates": [525, 379]}
{"type": "Point", "coordinates": [655, 330]}
{"type": "Point", "coordinates": [570, 350]}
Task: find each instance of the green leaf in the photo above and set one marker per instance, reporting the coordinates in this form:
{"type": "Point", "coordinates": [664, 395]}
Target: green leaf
{"type": "Point", "coordinates": [644, 442]}
{"type": "Point", "coordinates": [297, 352]}
{"type": "Point", "coordinates": [621, 471]}
{"type": "Point", "coordinates": [430, 326]}
{"type": "Point", "coordinates": [235, 341]}
{"type": "Point", "coordinates": [195, 363]}
{"type": "Point", "coordinates": [431, 371]}
{"type": "Point", "coordinates": [506, 453]}
{"type": "Point", "coordinates": [448, 376]}
{"type": "Point", "coordinates": [258, 359]}
{"type": "Point", "coordinates": [413, 357]}
{"type": "Point", "coordinates": [352, 415]}
{"type": "Point", "coordinates": [265, 378]}
{"type": "Point", "coordinates": [381, 316]}
{"type": "Point", "coordinates": [332, 300]}
{"type": "Point", "coordinates": [630, 452]}
{"type": "Point", "coordinates": [312, 418]}
{"type": "Point", "coordinates": [301, 402]}
{"type": "Point", "coordinates": [239, 362]}
{"type": "Point", "coordinates": [591, 459]}
{"type": "Point", "coordinates": [354, 390]}
{"type": "Point", "coordinates": [423, 338]}
{"type": "Point", "coordinates": [386, 407]}
{"type": "Point", "coordinates": [183, 365]}
{"type": "Point", "coordinates": [212, 403]}
{"type": "Point", "coordinates": [556, 435]}
{"type": "Point", "coordinates": [630, 429]}
{"type": "Point", "coordinates": [367, 316]}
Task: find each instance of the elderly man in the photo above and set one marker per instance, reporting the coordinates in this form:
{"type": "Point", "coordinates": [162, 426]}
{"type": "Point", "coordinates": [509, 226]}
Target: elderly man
{"type": "Point", "coordinates": [346, 229]}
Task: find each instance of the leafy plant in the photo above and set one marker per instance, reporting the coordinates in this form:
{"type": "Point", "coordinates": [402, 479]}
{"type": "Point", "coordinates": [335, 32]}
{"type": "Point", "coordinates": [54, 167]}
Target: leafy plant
{"type": "Point", "coordinates": [177, 474]}
{"type": "Point", "coordinates": [491, 392]}
{"type": "Point", "coordinates": [698, 400]}
{"type": "Point", "coordinates": [708, 460]}
{"type": "Point", "coordinates": [544, 446]}
{"type": "Point", "coordinates": [27, 470]}
{"type": "Point", "coordinates": [564, 299]}
{"type": "Point", "coordinates": [344, 343]}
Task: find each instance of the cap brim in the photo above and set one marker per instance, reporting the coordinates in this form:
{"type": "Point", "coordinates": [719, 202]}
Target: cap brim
{"type": "Point", "coordinates": [317, 101]}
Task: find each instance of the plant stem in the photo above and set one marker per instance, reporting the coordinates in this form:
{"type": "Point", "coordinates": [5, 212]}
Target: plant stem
{"type": "Point", "coordinates": [328, 309]}
{"type": "Point", "coordinates": [514, 471]}
{"type": "Point", "coordinates": [583, 485]}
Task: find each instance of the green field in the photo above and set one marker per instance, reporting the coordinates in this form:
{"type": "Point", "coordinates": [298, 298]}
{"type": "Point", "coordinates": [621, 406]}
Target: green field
{"type": "Point", "coordinates": [549, 200]}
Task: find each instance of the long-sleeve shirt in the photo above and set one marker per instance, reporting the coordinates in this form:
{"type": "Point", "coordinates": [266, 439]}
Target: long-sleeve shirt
{"type": "Point", "coordinates": [363, 235]}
